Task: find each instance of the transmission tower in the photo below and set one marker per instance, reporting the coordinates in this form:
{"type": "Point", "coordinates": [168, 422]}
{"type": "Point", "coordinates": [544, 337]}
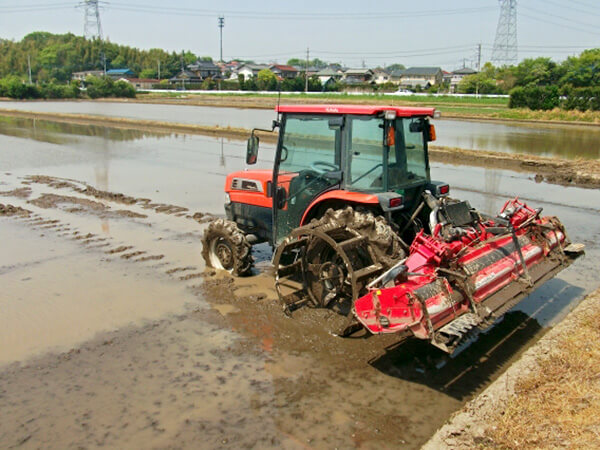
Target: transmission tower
{"type": "Point", "coordinates": [92, 27]}
{"type": "Point", "coordinates": [505, 44]}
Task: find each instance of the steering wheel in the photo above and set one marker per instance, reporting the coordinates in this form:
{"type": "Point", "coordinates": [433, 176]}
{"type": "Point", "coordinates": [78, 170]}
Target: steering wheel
{"type": "Point", "coordinates": [322, 167]}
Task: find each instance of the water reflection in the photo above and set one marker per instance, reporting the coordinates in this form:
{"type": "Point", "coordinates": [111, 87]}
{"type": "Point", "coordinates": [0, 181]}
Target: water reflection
{"type": "Point", "coordinates": [562, 141]}
{"type": "Point", "coordinates": [62, 133]}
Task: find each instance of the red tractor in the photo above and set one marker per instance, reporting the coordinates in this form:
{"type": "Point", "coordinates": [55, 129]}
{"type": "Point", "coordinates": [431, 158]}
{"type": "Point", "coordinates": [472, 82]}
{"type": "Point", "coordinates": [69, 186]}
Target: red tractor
{"type": "Point", "coordinates": [358, 226]}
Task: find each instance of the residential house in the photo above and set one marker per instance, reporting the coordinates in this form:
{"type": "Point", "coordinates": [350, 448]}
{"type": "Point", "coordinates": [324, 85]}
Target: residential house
{"type": "Point", "coordinates": [205, 69]}
{"type": "Point", "coordinates": [396, 76]}
{"type": "Point", "coordinates": [328, 75]}
{"type": "Point", "coordinates": [185, 77]}
{"type": "Point", "coordinates": [283, 71]}
{"type": "Point", "coordinates": [250, 70]}
{"type": "Point", "coordinates": [457, 76]}
{"type": "Point", "coordinates": [381, 76]}
{"type": "Point", "coordinates": [357, 76]}
{"type": "Point", "coordinates": [424, 77]}
{"type": "Point", "coordinates": [141, 84]}
{"type": "Point", "coordinates": [81, 76]}
{"type": "Point", "coordinates": [120, 73]}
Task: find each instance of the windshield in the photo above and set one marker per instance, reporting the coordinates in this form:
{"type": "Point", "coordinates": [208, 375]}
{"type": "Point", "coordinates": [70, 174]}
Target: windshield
{"type": "Point", "coordinates": [385, 155]}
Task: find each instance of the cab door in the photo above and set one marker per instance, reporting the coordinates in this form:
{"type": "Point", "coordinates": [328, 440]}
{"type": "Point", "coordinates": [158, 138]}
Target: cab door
{"type": "Point", "coordinates": [308, 162]}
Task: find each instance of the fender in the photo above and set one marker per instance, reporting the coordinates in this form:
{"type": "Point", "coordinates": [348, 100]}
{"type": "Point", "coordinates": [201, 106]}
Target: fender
{"type": "Point", "coordinates": [345, 196]}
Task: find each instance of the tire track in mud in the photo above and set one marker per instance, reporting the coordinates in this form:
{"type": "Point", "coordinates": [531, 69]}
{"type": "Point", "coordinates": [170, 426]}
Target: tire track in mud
{"type": "Point", "coordinates": [68, 217]}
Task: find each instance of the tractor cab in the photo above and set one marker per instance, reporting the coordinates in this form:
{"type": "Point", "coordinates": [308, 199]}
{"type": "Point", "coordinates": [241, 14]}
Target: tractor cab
{"type": "Point", "coordinates": [327, 156]}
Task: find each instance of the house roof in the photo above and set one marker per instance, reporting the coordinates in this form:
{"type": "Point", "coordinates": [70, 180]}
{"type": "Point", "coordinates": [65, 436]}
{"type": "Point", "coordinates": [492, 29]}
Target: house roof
{"type": "Point", "coordinates": [186, 74]}
{"type": "Point", "coordinates": [355, 109]}
{"type": "Point", "coordinates": [361, 71]}
{"type": "Point", "coordinates": [203, 65]}
{"type": "Point", "coordinates": [253, 66]}
{"type": "Point", "coordinates": [397, 73]}
{"type": "Point", "coordinates": [327, 72]}
{"type": "Point", "coordinates": [141, 80]}
{"type": "Point", "coordinates": [118, 71]}
{"type": "Point", "coordinates": [284, 68]}
{"type": "Point", "coordinates": [464, 71]}
{"type": "Point", "coordinates": [421, 71]}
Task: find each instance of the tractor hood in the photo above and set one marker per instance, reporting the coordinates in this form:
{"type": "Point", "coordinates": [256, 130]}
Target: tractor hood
{"type": "Point", "coordinates": [249, 180]}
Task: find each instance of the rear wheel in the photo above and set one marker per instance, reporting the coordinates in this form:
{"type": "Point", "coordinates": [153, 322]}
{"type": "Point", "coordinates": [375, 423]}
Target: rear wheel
{"type": "Point", "coordinates": [224, 246]}
{"type": "Point", "coordinates": [332, 259]}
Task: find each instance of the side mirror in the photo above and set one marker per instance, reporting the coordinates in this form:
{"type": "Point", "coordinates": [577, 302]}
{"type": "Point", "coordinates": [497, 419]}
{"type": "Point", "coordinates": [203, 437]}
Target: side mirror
{"type": "Point", "coordinates": [281, 197]}
{"type": "Point", "coordinates": [416, 127]}
{"type": "Point", "coordinates": [252, 150]}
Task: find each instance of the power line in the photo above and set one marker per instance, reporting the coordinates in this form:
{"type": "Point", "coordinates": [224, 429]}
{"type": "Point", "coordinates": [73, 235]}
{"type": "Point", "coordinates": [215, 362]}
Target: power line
{"type": "Point", "coordinates": [561, 17]}
{"type": "Point", "coordinates": [537, 19]}
{"type": "Point", "coordinates": [267, 15]}
{"type": "Point", "coordinates": [570, 8]}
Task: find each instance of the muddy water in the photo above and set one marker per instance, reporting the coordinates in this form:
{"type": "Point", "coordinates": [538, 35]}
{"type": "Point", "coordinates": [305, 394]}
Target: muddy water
{"type": "Point", "coordinates": [537, 139]}
{"type": "Point", "coordinates": [178, 359]}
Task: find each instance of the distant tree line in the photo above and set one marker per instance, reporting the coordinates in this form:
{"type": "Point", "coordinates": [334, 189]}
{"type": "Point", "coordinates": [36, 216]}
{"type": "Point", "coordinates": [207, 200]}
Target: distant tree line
{"type": "Point", "coordinates": [54, 57]}
{"type": "Point", "coordinates": [540, 83]}
{"type": "Point", "coordinates": [94, 87]}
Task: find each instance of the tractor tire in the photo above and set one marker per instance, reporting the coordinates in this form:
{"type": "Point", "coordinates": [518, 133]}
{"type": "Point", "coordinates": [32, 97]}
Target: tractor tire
{"type": "Point", "coordinates": [326, 256]}
{"type": "Point", "coordinates": [224, 247]}
{"type": "Point", "coordinates": [382, 240]}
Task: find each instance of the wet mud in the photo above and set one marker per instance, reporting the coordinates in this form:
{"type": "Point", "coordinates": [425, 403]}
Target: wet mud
{"type": "Point", "coordinates": [119, 337]}
{"type": "Point", "coordinates": [233, 370]}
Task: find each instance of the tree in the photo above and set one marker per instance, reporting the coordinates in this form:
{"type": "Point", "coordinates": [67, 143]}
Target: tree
{"type": "Point", "coordinates": [317, 63]}
{"type": "Point", "coordinates": [394, 67]}
{"type": "Point", "coordinates": [582, 70]}
{"type": "Point", "coordinates": [148, 73]}
{"type": "Point", "coordinates": [537, 72]}
{"type": "Point", "coordinates": [480, 83]}
{"type": "Point", "coordinates": [266, 80]}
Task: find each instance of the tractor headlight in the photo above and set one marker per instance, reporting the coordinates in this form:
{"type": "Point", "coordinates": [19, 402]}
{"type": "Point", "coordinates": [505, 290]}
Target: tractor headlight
{"type": "Point", "coordinates": [227, 199]}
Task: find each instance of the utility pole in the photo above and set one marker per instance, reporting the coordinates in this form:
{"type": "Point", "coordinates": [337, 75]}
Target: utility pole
{"type": "Point", "coordinates": [182, 74]}
{"type": "Point", "coordinates": [29, 67]}
{"type": "Point", "coordinates": [306, 71]}
{"type": "Point", "coordinates": [221, 25]}
{"type": "Point", "coordinates": [479, 58]}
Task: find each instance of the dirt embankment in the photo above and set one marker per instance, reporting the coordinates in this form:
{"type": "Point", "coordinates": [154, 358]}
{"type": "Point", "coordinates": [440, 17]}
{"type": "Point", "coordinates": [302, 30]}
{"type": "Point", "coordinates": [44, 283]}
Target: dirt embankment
{"type": "Point", "coordinates": [579, 172]}
{"type": "Point", "coordinates": [566, 172]}
{"type": "Point", "coordinates": [451, 110]}
{"type": "Point", "coordinates": [550, 398]}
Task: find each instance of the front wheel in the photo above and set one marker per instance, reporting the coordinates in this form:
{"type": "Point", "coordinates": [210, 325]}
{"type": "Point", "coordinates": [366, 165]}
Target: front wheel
{"type": "Point", "coordinates": [224, 247]}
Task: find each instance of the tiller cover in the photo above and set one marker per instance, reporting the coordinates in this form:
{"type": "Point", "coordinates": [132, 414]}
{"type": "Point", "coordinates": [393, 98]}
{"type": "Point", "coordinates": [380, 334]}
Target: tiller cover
{"type": "Point", "coordinates": [471, 270]}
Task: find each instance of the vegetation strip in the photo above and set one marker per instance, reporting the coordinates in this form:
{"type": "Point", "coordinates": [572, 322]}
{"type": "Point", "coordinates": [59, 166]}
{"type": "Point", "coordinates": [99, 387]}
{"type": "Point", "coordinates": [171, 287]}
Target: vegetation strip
{"type": "Point", "coordinates": [580, 173]}
{"type": "Point", "coordinates": [549, 398]}
{"type": "Point", "coordinates": [452, 108]}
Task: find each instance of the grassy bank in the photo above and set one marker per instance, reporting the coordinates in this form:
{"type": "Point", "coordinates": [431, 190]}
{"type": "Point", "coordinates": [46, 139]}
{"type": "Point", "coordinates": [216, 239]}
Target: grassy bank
{"type": "Point", "coordinates": [451, 107]}
{"type": "Point", "coordinates": [550, 398]}
{"type": "Point", "coordinates": [557, 405]}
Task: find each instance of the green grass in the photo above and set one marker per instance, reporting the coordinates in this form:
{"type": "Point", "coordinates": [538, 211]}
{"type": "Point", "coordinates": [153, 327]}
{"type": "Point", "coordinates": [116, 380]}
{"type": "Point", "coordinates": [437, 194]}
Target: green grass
{"type": "Point", "coordinates": [500, 102]}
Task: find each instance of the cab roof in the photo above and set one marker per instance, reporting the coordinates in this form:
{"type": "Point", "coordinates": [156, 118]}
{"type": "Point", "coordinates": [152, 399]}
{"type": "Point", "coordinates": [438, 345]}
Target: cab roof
{"type": "Point", "coordinates": [401, 111]}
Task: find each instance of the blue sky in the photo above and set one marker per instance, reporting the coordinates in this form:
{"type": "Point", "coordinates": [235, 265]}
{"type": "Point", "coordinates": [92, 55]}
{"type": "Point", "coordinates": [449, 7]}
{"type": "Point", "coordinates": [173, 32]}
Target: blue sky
{"type": "Point", "coordinates": [436, 32]}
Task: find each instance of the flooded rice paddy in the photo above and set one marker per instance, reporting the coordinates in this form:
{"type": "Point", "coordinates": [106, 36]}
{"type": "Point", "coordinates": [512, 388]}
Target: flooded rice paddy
{"type": "Point", "coordinates": [112, 333]}
{"type": "Point", "coordinates": [563, 141]}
